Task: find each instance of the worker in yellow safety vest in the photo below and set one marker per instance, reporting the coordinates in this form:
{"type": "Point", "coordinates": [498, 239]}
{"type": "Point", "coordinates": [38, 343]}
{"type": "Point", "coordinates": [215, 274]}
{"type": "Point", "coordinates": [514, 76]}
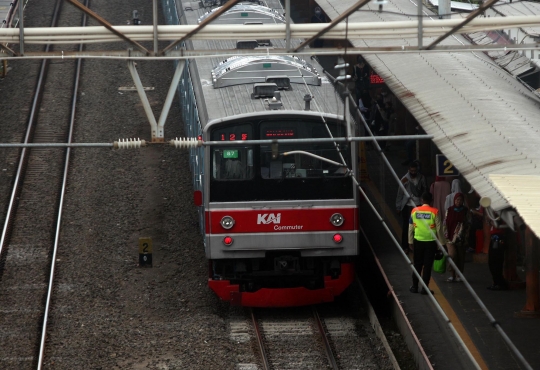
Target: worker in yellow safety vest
{"type": "Point", "coordinates": [424, 225]}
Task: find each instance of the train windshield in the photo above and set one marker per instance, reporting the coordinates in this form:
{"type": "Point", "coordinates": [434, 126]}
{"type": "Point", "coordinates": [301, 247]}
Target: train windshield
{"type": "Point", "coordinates": [316, 160]}
{"type": "Point", "coordinates": [255, 172]}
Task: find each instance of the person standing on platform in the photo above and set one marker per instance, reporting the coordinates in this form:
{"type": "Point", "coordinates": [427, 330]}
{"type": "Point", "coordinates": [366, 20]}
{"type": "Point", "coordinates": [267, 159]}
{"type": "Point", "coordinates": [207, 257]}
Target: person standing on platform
{"type": "Point", "coordinates": [440, 190]}
{"type": "Point", "coordinates": [415, 184]}
{"type": "Point", "coordinates": [423, 225]}
{"type": "Point", "coordinates": [410, 147]}
{"type": "Point", "coordinates": [456, 228]}
{"type": "Point", "coordinates": [496, 252]}
{"type": "Point", "coordinates": [318, 17]}
{"type": "Point", "coordinates": [362, 84]}
{"type": "Point", "coordinates": [387, 124]}
{"type": "Point", "coordinates": [456, 188]}
{"type": "Point", "coordinates": [477, 221]}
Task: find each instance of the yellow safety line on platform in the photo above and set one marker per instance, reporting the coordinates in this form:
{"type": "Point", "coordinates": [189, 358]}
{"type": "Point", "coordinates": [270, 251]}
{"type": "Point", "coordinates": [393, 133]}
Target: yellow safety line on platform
{"type": "Point", "coordinates": [443, 302]}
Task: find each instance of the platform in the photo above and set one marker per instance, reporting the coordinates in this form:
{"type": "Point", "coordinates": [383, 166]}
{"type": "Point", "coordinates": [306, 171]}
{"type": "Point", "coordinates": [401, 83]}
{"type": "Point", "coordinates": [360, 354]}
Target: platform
{"type": "Point", "coordinates": [481, 337]}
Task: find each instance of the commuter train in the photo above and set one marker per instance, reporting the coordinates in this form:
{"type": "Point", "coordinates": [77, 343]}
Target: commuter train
{"type": "Point", "coordinates": [280, 228]}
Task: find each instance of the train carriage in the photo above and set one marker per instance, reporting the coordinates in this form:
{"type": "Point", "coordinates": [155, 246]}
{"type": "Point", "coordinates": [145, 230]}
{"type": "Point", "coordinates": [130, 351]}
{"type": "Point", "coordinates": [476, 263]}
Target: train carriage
{"type": "Point", "coordinates": [280, 222]}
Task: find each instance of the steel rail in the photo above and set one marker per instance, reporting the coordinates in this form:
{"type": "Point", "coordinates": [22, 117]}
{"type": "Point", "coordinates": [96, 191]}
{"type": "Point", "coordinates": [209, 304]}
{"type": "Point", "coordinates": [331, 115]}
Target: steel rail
{"type": "Point", "coordinates": [61, 204]}
{"type": "Point", "coordinates": [328, 349]}
{"type": "Point", "coordinates": [12, 205]}
{"type": "Point", "coordinates": [260, 342]}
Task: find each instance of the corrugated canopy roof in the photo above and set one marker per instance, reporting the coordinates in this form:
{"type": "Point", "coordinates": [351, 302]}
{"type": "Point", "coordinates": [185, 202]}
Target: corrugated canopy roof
{"type": "Point", "coordinates": [521, 8]}
{"type": "Point", "coordinates": [481, 117]}
{"type": "Point", "coordinates": [523, 192]}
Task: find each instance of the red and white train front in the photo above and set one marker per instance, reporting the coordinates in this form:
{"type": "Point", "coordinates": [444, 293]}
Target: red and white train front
{"type": "Point", "coordinates": [280, 230]}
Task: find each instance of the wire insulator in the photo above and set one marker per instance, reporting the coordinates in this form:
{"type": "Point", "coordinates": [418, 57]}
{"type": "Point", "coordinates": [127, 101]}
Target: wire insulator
{"type": "Point", "coordinates": [185, 143]}
{"type": "Point", "coordinates": [129, 143]}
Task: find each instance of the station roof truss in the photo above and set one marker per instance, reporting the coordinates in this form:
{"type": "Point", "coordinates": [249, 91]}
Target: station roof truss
{"type": "Point", "coordinates": [372, 25]}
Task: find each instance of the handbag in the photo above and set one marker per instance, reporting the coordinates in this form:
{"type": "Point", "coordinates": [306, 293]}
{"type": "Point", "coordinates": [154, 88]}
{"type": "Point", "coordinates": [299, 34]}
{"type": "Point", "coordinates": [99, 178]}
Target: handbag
{"type": "Point", "coordinates": [457, 233]}
{"type": "Point", "coordinates": [440, 265]}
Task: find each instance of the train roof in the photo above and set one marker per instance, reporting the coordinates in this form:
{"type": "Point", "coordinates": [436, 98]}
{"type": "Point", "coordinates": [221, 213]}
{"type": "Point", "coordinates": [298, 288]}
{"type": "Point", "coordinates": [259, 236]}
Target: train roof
{"type": "Point", "coordinates": [227, 83]}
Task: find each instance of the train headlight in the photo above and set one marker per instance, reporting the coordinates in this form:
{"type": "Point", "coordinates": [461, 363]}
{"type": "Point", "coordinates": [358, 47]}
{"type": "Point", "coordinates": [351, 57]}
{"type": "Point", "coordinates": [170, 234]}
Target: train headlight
{"type": "Point", "coordinates": [337, 219]}
{"type": "Point", "coordinates": [227, 222]}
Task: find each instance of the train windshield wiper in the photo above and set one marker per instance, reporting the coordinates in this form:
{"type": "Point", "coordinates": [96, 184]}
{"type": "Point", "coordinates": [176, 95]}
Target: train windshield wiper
{"type": "Point", "coordinates": [314, 156]}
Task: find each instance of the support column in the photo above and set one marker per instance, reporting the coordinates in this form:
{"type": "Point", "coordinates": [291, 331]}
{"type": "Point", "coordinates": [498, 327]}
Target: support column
{"type": "Point", "coordinates": [21, 27]}
{"type": "Point", "coordinates": [486, 233]}
{"type": "Point", "coordinates": [144, 101]}
{"type": "Point", "coordinates": [510, 260]}
{"type": "Point", "coordinates": [170, 96]}
{"type": "Point", "coordinates": [158, 134]}
{"type": "Point", "coordinates": [532, 254]}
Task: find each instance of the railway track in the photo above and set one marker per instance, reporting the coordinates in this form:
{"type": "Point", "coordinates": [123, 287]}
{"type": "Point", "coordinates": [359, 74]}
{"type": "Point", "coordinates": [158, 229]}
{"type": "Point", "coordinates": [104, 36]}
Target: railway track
{"type": "Point", "coordinates": [292, 339]}
{"type": "Point", "coordinates": [31, 227]}
{"type": "Point", "coordinates": [332, 336]}
{"type": "Point", "coordinates": [106, 312]}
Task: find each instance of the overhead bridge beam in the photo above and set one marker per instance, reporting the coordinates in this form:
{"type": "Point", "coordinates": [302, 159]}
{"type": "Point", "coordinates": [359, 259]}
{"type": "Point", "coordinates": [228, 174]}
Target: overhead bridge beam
{"type": "Point", "coordinates": [223, 53]}
{"type": "Point", "coordinates": [396, 30]}
{"type": "Point", "coordinates": [218, 143]}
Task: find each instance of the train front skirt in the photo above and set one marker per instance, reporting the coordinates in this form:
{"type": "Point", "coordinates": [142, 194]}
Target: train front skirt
{"type": "Point", "coordinates": [285, 297]}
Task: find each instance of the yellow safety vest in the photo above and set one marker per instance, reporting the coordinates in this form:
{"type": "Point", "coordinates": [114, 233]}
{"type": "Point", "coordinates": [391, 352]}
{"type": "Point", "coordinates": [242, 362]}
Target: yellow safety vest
{"type": "Point", "coordinates": [423, 219]}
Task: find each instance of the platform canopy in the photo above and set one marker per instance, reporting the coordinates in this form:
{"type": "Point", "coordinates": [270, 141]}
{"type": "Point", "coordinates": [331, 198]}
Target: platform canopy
{"type": "Point", "coordinates": [523, 193]}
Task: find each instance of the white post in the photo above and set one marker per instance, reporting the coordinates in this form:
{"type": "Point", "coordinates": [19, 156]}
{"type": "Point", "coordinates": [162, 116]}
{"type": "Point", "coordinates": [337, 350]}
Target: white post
{"type": "Point", "coordinates": [444, 9]}
{"type": "Point", "coordinates": [288, 24]}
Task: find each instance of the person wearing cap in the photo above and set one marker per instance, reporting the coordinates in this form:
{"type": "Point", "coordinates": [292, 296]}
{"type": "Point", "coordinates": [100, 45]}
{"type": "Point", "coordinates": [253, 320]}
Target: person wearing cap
{"type": "Point", "coordinates": [424, 224]}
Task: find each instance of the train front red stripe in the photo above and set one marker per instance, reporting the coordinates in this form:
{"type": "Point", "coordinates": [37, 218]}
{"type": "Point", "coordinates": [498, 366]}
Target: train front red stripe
{"type": "Point", "coordinates": [281, 220]}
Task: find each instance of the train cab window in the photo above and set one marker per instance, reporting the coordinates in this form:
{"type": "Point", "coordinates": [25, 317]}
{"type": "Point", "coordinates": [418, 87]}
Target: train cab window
{"type": "Point", "coordinates": [232, 162]}
{"type": "Point", "coordinates": [260, 176]}
{"type": "Point", "coordinates": [309, 161]}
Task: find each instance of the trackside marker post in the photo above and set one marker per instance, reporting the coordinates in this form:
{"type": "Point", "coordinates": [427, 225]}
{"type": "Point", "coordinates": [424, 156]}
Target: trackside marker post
{"type": "Point", "coordinates": [145, 252]}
